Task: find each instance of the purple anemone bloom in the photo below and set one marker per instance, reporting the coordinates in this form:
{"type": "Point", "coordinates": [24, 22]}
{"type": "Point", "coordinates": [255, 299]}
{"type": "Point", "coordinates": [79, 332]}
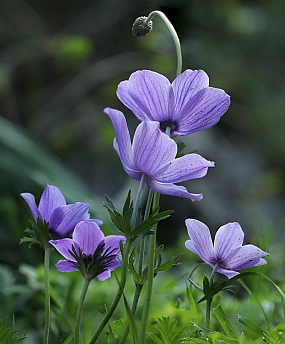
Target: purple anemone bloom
{"type": "Point", "coordinates": [186, 105]}
{"type": "Point", "coordinates": [86, 239]}
{"type": "Point", "coordinates": [227, 251]}
{"type": "Point", "coordinates": [61, 218]}
{"type": "Point", "coordinates": [152, 154]}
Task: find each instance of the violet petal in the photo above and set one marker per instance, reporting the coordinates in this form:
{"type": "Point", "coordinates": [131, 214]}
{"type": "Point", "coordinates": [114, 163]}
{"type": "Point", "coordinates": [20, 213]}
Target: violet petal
{"type": "Point", "coordinates": [189, 166]}
{"type": "Point", "coordinates": [30, 199]}
{"type": "Point", "coordinates": [64, 218]}
{"type": "Point", "coordinates": [87, 235]}
{"type": "Point", "coordinates": [152, 150]}
{"type": "Point", "coordinates": [200, 240]}
{"type": "Point", "coordinates": [50, 200]}
{"type": "Point", "coordinates": [203, 110]}
{"type": "Point", "coordinates": [63, 246]}
{"type": "Point", "coordinates": [146, 94]}
{"type": "Point", "coordinates": [65, 266]}
{"type": "Point", "coordinates": [228, 239]}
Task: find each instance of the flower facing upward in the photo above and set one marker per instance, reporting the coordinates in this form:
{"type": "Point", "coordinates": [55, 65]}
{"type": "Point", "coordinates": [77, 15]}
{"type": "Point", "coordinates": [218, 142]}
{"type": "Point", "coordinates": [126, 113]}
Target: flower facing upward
{"type": "Point", "coordinates": [152, 154]}
{"type": "Point", "coordinates": [90, 244]}
{"type": "Point", "coordinates": [61, 218]}
{"type": "Point", "coordinates": [185, 106]}
{"type": "Point", "coordinates": [227, 251]}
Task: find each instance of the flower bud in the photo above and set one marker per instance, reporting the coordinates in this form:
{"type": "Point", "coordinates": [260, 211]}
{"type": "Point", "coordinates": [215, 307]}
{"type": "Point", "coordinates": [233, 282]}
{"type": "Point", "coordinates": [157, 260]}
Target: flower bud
{"type": "Point", "coordinates": [141, 27]}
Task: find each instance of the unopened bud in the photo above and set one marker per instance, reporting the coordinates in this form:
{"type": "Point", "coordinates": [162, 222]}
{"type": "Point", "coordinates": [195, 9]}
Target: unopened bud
{"type": "Point", "coordinates": [141, 27]}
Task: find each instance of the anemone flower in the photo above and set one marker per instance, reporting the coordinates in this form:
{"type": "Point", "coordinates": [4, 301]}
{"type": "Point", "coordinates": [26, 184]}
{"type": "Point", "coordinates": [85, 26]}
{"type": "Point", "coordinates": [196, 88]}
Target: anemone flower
{"type": "Point", "coordinates": [52, 208]}
{"type": "Point", "coordinates": [96, 252]}
{"type": "Point", "coordinates": [227, 251]}
{"type": "Point", "coordinates": [186, 105]}
{"type": "Point", "coordinates": [152, 154]}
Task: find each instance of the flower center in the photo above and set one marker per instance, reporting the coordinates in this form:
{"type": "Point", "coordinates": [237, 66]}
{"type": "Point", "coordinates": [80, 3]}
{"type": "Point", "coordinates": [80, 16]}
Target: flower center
{"type": "Point", "coordinates": [173, 125]}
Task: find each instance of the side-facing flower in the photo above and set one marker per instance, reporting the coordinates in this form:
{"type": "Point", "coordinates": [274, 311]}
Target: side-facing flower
{"type": "Point", "coordinates": [98, 254]}
{"type": "Point", "coordinates": [152, 154]}
{"type": "Point", "coordinates": [227, 251]}
{"type": "Point", "coordinates": [186, 105]}
{"type": "Point", "coordinates": [52, 209]}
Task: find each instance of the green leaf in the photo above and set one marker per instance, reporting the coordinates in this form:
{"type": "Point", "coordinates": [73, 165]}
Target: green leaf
{"type": "Point", "coordinates": [8, 336]}
{"type": "Point", "coordinates": [259, 332]}
{"type": "Point", "coordinates": [151, 221]}
{"type": "Point", "coordinates": [225, 284]}
{"type": "Point", "coordinates": [224, 322]}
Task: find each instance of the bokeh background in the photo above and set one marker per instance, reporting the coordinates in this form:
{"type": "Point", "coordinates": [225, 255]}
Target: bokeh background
{"type": "Point", "coordinates": [60, 64]}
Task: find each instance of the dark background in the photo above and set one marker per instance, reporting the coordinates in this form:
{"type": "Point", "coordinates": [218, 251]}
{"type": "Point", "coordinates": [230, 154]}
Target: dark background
{"type": "Point", "coordinates": [60, 64]}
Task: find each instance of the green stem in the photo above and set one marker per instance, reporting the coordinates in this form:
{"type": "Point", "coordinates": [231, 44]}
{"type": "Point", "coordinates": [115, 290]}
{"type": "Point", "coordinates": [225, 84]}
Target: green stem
{"type": "Point", "coordinates": [151, 262]}
{"type": "Point", "coordinates": [118, 295]}
{"type": "Point", "coordinates": [47, 294]}
{"type": "Point", "coordinates": [209, 301]}
{"type": "Point", "coordinates": [79, 311]}
{"type": "Point", "coordinates": [174, 36]}
{"type": "Point", "coordinates": [137, 202]}
{"type": "Point", "coordinates": [142, 245]}
{"type": "Point", "coordinates": [134, 308]}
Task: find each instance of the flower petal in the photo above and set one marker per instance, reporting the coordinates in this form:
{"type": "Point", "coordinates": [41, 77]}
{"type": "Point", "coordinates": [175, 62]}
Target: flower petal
{"type": "Point", "coordinates": [152, 150]}
{"type": "Point", "coordinates": [189, 166]}
{"type": "Point", "coordinates": [146, 93]}
{"type": "Point", "coordinates": [185, 86]}
{"type": "Point", "coordinates": [65, 266]}
{"type": "Point", "coordinates": [112, 242]}
{"type": "Point", "coordinates": [87, 235]}
{"type": "Point", "coordinates": [228, 241]}
{"type": "Point", "coordinates": [104, 275]}
{"type": "Point", "coordinates": [247, 256]}
{"type": "Point", "coordinates": [227, 273]}
{"type": "Point", "coordinates": [30, 199]}
{"type": "Point", "coordinates": [50, 200]}
{"type": "Point", "coordinates": [203, 110]}
{"type": "Point", "coordinates": [172, 190]}
{"type": "Point", "coordinates": [63, 246]}
{"type": "Point", "coordinates": [200, 240]}
{"type": "Point", "coordinates": [122, 142]}
{"type": "Point", "coordinates": [65, 218]}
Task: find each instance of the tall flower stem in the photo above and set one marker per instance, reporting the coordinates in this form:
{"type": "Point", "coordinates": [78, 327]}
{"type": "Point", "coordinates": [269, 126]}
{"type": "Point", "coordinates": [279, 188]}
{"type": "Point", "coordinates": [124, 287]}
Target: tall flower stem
{"type": "Point", "coordinates": [174, 35]}
{"type": "Point", "coordinates": [124, 266]}
{"type": "Point", "coordinates": [209, 301]}
{"type": "Point", "coordinates": [151, 262]}
{"type": "Point", "coordinates": [47, 294]}
{"type": "Point", "coordinates": [79, 311]}
{"type": "Point", "coordinates": [134, 308]}
{"type": "Point", "coordinates": [118, 295]}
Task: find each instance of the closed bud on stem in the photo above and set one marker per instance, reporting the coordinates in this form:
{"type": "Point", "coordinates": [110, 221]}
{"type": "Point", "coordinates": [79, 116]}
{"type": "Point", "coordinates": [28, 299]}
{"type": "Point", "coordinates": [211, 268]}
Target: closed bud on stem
{"type": "Point", "coordinates": [141, 27]}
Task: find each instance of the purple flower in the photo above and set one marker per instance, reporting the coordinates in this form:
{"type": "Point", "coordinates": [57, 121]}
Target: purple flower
{"type": "Point", "coordinates": [61, 218]}
{"type": "Point", "coordinates": [153, 153]}
{"type": "Point", "coordinates": [227, 251]}
{"type": "Point", "coordinates": [87, 238]}
{"type": "Point", "coordinates": [186, 106]}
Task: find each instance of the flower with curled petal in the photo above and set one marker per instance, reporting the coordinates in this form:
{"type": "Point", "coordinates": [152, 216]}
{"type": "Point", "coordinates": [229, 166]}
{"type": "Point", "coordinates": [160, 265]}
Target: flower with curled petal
{"type": "Point", "coordinates": [52, 209]}
{"type": "Point", "coordinates": [186, 105]}
{"type": "Point", "coordinates": [152, 154]}
{"type": "Point", "coordinates": [89, 251]}
{"type": "Point", "coordinates": [227, 251]}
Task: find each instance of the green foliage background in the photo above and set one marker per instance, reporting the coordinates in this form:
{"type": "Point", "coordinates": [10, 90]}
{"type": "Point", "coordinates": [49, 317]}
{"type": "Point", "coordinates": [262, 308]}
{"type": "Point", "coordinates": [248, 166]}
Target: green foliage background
{"type": "Point", "coordinates": [60, 64]}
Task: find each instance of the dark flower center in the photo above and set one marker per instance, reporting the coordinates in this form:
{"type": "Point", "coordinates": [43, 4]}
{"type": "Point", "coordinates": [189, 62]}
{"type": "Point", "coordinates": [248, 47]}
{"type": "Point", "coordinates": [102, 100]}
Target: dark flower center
{"type": "Point", "coordinates": [173, 125]}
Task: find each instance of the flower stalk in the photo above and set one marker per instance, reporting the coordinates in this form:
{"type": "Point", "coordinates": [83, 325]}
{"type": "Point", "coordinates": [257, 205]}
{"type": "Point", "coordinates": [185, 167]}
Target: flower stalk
{"type": "Point", "coordinates": [79, 310]}
{"type": "Point", "coordinates": [173, 34]}
{"type": "Point", "coordinates": [151, 263]}
{"type": "Point", "coordinates": [47, 294]}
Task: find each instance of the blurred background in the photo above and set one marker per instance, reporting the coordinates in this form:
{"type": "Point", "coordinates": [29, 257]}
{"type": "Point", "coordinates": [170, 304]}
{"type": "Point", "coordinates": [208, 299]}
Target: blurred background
{"type": "Point", "coordinates": [60, 64]}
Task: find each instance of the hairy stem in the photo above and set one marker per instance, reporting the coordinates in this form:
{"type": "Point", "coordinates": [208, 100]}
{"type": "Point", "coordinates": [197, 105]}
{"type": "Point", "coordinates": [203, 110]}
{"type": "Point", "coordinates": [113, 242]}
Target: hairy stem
{"type": "Point", "coordinates": [174, 36]}
{"type": "Point", "coordinates": [151, 262]}
{"type": "Point", "coordinates": [47, 294]}
{"type": "Point", "coordinates": [79, 311]}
